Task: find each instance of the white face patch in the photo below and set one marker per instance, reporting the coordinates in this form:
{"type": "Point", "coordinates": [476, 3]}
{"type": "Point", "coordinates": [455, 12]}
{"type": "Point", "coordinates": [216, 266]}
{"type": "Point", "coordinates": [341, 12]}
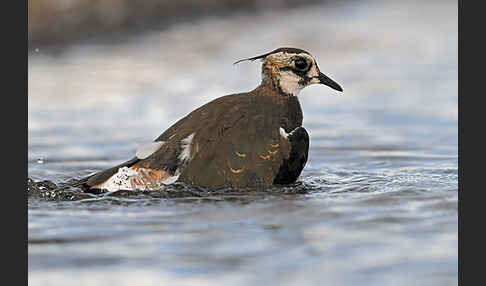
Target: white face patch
{"type": "Point", "coordinates": [288, 81]}
{"type": "Point", "coordinates": [314, 74]}
{"type": "Point", "coordinates": [148, 149]}
{"type": "Point", "coordinates": [186, 148]}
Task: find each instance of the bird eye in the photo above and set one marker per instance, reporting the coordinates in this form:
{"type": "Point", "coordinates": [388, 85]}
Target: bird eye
{"type": "Point", "coordinates": [300, 64]}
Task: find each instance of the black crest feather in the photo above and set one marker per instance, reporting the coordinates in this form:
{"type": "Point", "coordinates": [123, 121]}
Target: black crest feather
{"type": "Point", "coordinates": [284, 49]}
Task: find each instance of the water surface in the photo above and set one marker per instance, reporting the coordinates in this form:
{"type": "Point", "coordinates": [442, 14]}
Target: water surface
{"type": "Point", "coordinates": [377, 201]}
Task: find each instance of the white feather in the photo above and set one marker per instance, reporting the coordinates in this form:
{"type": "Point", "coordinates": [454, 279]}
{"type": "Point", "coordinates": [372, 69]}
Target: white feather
{"type": "Point", "coordinates": [124, 180]}
{"type": "Point", "coordinates": [171, 179]}
{"type": "Point", "coordinates": [186, 148]}
{"type": "Point", "coordinates": [148, 149]}
{"type": "Point", "coordinates": [119, 181]}
{"type": "Point", "coordinates": [283, 133]}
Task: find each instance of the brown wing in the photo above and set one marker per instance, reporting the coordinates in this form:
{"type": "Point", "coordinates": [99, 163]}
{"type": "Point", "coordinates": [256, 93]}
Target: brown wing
{"type": "Point", "coordinates": [211, 118]}
{"type": "Point", "coordinates": [167, 157]}
{"type": "Point", "coordinates": [236, 142]}
{"type": "Point", "coordinates": [243, 148]}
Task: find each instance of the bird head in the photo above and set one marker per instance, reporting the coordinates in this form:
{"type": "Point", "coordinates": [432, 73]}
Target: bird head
{"type": "Point", "coordinates": [289, 70]}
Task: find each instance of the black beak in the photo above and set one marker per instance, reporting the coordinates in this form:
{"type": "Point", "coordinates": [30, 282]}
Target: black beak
{"type": "Point", "coordinates": [329, 82]}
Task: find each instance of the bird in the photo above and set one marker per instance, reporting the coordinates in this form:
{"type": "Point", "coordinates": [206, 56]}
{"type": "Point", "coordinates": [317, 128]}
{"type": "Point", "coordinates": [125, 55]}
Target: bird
{"type": "Point", "coordinates": [243, 140]}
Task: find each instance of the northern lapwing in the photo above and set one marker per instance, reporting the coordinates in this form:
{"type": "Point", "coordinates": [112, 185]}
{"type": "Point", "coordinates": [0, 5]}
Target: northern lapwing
{"type": "Point", "coordinates": [251, 139]}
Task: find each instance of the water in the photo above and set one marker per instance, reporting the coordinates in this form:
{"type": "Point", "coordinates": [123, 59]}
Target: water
{"type": "Point", "coordinates": [377, 202]}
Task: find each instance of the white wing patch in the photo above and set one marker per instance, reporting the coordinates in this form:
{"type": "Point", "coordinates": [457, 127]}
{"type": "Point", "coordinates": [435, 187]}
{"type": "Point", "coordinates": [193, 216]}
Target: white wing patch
{"type": "Point", "coordinates": [119, 181]}
{"type": "Point", "coordinates": [129, 179]}
{"type": "Point", "coordinates": [186, 148]}
{"type": "Point", "coordinates": [126, 178]}
{"type": "Point", "coordinates": [148, 149]}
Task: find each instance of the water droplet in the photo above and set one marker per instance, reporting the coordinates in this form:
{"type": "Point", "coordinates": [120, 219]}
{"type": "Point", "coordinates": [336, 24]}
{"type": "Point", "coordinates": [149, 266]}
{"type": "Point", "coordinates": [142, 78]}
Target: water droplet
{"type": "Point", "coordinates": [40, 161]}
{"type": "Point", "coordinates": [36, 50]}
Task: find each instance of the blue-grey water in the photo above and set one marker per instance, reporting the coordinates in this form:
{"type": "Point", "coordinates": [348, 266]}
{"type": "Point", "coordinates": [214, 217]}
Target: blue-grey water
{"type": "Point", "coordinates": [380, 200]}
